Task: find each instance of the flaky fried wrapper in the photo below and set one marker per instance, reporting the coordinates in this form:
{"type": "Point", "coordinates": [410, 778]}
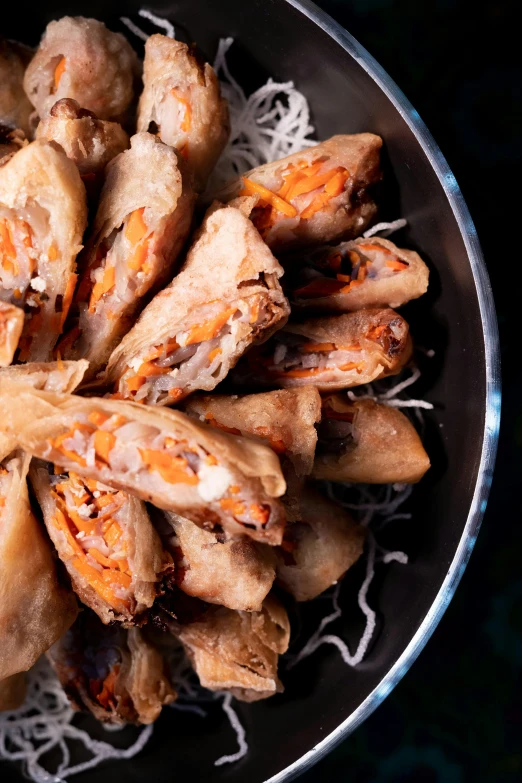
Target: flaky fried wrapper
{"type": "Point", "coordinates": [34, 418]}
{"type": "Point", "coordinates": [144, 553]}
{"type": "Point", "coordinates": [318, 550]}
{"type": "Point", "coordinates": [116, 674]}
{"type": "Point", "coordinates": [35, 608]}
{"type": "Point", "coordinates": [384, 447]}
{"type": "Point", "coordinates": [234, 573]}
{"type": "Point", "coordinates": [238, 652]}
{"type": "Point", "coordinates": [57, 376]}
{"type": "Point", "coordinates": [11, 326]}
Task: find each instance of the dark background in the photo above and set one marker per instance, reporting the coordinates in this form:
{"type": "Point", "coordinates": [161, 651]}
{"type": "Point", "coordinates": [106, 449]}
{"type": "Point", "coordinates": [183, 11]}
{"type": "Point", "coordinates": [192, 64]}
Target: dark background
{"type": "Point", "coordinates": [457, 715]}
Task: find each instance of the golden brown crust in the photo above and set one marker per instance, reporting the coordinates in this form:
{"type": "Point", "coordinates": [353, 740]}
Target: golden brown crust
{"type": "Point", "coordinates": [238, 651]}
{"type": "Point", "coordinates": [385, 448]}
{"type": "Point", "coordinates": [48, 376]}
{"type": "Point", "coordinates": [237, 574]}
{"type": "Point", "coordinates": [15, 108]}
{"type": "Point", "coordinates": [99, 68]}
{"type": "Point", "coordinates": [170, 68]}
{"type": "Point", "coordinates": [11, 326]}
{"type": "Point", "coordinates": [319, 549]}
{"type": "Point", "coordinates": [345, 215]}
{"type": "Point", "coordinates": [89, 142]}
{"type": "Point", "coordinates": [284, 419]}
{"type": "Point", "coordinates": [33, 417]}
{"type": "Point", "coordinates": [35, 609]}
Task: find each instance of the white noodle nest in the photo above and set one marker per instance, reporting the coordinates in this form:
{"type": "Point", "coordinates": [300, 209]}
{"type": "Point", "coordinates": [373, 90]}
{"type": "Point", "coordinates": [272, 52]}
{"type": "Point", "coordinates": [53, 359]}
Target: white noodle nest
{"type": "Point", "coordinates": [269, 124]}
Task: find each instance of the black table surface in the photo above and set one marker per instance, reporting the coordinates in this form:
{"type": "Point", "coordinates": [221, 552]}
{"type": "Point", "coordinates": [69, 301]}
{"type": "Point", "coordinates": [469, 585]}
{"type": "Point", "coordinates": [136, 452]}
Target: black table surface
{"type": "Point", "coordinates": [457, 714]}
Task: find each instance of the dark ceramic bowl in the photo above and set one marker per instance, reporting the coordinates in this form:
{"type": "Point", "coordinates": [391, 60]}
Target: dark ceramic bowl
{"type": "Point", "coordinates": [348, 92]}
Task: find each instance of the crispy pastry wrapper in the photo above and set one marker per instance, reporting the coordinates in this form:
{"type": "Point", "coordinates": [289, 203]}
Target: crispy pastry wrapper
{"type": "Point", "coordinates": [332, 186]}
{"type": "Point", "coordinates": [182, 99]}
{"type": "Point", "coordinates": [15, 107]}
{"type": "Point", "coordinates": [142, 222]}
{"type": "Point", "coordinates": [43, 214]}
{"type": "Point", "coordinates": [236, 573]}
{"type": "Point", "coordinates": [226, 297]}
{"type": "Point", "coordinates": [11, 326]}
{"type": "Point", "coordinates": [355, 275]}
{"type": "Point", "coordinates": [333, 353]}
{"type": "Point", "coordinates": [284, 419]}
{"type": "Point", "coordinates": [363, 441]}
{"type": "Point", "coordinates": [238, 652]}
{"type": "Point", "coordinates": [12, 692]}
{"type": "Point", "coordinates": [160, 455]}
{"type": "Point", "coordinates": [318, 550]}
{"type": "Point", "coordinates": [48, 376]}
{"type": "Point", "coordinates": [116, 674]}
{"type": "Point", "coordinates": [80, 58]}
{"type": "Point", "coordinates": [35, 609]}
{"type": "Point", "coordinates": [118, 571]}
{"type": "Point", "coordinates": [89, 142]}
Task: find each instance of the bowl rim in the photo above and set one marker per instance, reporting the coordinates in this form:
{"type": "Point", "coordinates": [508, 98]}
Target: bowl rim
{"type": "Point", "coordinates": [493, 389]}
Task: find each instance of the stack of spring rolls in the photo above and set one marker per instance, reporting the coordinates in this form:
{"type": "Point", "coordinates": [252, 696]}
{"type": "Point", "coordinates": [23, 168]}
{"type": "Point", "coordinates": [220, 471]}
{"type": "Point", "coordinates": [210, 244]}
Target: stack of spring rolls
{"type": "Point", "coordinates": [144, 508]}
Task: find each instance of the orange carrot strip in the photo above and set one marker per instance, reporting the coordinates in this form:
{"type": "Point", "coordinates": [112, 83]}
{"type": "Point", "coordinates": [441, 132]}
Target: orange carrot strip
{"type": "Point", "coordinates": [138, 258]}
{"type": "Point", "coordinates": [212, 355]}
{"type": "Point", "coordinates": [60, 522]}
{"type": "Point", "coordinates": [316, 347]}
{"type": "Point", "coordinates": [101, 559]}
{"type": "Point", "coordinates": [52, 252]}
{"type": "Point", "coordinates": [210, 329]}
{"type": "Point", "coordinates": [102, 287]}
{"type": "Point", "coordinates": [308, 373]}
{"type": "Point", "coordinates": [146, 369]}
{"type": "Point", "coordinates": [335, 186]}
{"type": "Point", "coordinates": [104, 442]}
{"type": "Point", "coordinates": [369, 246]}
{"type": "Point", "coordinates": [175, 394]}
{"type": "Point", "coordinates": [159, 350]}
{"type": "Point", "coordinates": [210, 419]}
{"type": "Point", "coordinates": [98, 418]}
{"type": "Point", "coordinates": [229, 504]}
{"type": "Point", "coordinates": [186, 121]}
{"type": "Point", "coordinates": [259, 513]}
{"type": "Point", "coordinates": [113, 533]}
{"type": "Point", "coordinates": [320, 286]}
{"type": "Point", "coordinates": [350, 366]}
{"type": "Point", "coordinates": [136, 227]}
{"type": "Point", "coordinates": [135, 382]}
{"type": "Point", "coordinates": [375, 333]}
{"type": "Point", "coordinates": [307, 184]}
{"type": "Point", "coordinates": [171, 469]}
{"type": "Point", "coordinates": [315, 205]}
{"type": "Point", "coordinates": [251, 188]}
{"type": "Point", "coordinates": [116, 577]}
{"type": "Point", "coordinates": [397, 266]}
{"type": "Point", "coordinates": [59, 71]}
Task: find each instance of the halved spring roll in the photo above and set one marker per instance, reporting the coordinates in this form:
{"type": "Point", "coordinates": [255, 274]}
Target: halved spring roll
{"type": "Point", "coordinates": [332, 353]}
{"type": "Point", "coordinates": [35, 609]}
{"type": "Point", "coordinates": [12, 692]}
{"type": "Point", "coordinates": [48, 376]}
{"type": "Point", "coordinates": [106, 540]}
{"type": "Point", "coordinates": [142, 221]}
{"type": "Point", "coordinates": [235, 573]}
{"type": "Point", "coordinates": [226, 297]}
{"type": "Point", "coordinates": [238, 652]}
{"type": "Point", "coordinates": [320, 195]}
{"type": "Point", "coordinates": [80, 58]}
{"type": "Point", "coordinates": [160, 455]}
{"type": "Point", "coordinates": [318, 550]}
{"type": "Point", "coordinates": [43, 214]}
{"type": "Point", "coordinates": [15, 107]}
{"type": "Point", "coordinates": [89, 142]}
{"type": "Point", "coordinates": [115, 674]}
{"type": "Point", "coordinates": [355, 275]}
{"type": "Point", "coordinates": [363, 441]}
{"type": "Point", "coordinates": [11, 326]}
{"type": "Point", "coordinates": [182, 103]}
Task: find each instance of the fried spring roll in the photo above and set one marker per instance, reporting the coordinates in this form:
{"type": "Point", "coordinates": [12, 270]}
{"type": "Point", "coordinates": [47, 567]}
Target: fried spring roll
{"type": "Point", "coordinates": [106, 540]}
{"type": "Point", "coordinates": [43, 214]}
{"type": "Point", "coordinates": [35, 609]}
{"type": "Point", "coordinates": [363, 441]}
{"type": "Point", "coordinates": [320, 195]}
{"type": "Point", "coordinates": [235, 573]}
{"type": "Point", "coordinates": [181, 101]}
{"type": "Point", "coordinates": [238, 652]}
{"type": "Point", "coordinates": [226, 297]}
{"type": "Point", "coordinates": [355, 275]}
{"type": "Point", "coordinates": [89, 142]}
{"type": "Point", "coordinates": [11, 142]}
{"type": "Point", "coordinates": [142, 221]}
{"type": "Point", "coordinates": [160, 455]}
{"type": "Point", "coordinates": [115, 674]}
{"type": "Point", "coordinates": [15, 107]}
{"type": "Point", "coordinates": [80, 58]}
{"type": "Point", "coordinates": [332, 353]}
{"type": "Point", "coordinates": [284, 420]}
{"type": "Point", "coordinates": [48, 376]}
{"type": "Point", "coordinates": [12, 692]}
{"type": "Point", "coordinates": [11, 326]}
{"type": "Point", "coordinates": [318, 550]}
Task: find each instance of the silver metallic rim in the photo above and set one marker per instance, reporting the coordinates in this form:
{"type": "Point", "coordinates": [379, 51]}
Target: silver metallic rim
{"type": "Point", "coordinates": [493, 393]}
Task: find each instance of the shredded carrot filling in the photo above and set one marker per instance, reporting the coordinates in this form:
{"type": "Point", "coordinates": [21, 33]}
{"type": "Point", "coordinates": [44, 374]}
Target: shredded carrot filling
{"type": "Point", "coordinates": [159, 350]}
{"type": "Point", "coordinates": [136, 227]}
{"type": "Point", "coordinates": [59, 71]}
{"type": "Point", "coordinates": [397, 265]}
{"type": "Point", "coordinates": [146, 369]}
{"type": "Point", "coordinates": [187, 114]}
{"type": "Point", "coordinates": [52, 252]}
{"type": "Point", "coordinates": [320, 286]}
{"type": "Point", "coordinates": [106, 695]}
{"type": "Point", "coordinates": [375, 333]}
{"type": "Point", "coordinates": [173, 470]}
{"type": "Point", "coordinates": [210, 329]}
{"type": "Point", "coordinates": [316, 347]}
{"type": "Point", "coordinates": [276, 444]}
{"type": "Point", "coordinates": [212, 355]}
{"type": "Point", "coordinates": [135, 382]}
{"type": "Point", "coordinates": [251, 188]}
{"type": "Point", "coordinates": [234, 506]}
{"type": "Point", "coordinates": [104, 442]}
{"type": "Point", "coordinates": [102, 287]}
{"type": "Point", "coordinates": [7, 249]}
{"type": "Point", "coordinates": [259, 513]}
{"type": "Point", "coordinates": [297, 373]}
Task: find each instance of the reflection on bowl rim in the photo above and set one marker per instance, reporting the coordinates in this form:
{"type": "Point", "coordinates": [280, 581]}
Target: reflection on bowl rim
{"type": "Point", "coordinates": [493, 391]}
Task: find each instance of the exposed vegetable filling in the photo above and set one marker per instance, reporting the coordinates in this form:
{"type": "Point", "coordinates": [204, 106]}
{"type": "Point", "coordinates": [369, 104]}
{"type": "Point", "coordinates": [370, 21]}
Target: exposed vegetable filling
{"type": "Point", "coordinates": [158, 462]}
{"type": "Point", "coordinates": [305, 190]}
{"type": "Point", "coordinates": [340, 270]}
{"type": "Point", "coordinates": [170, 370]}
{"type": "Point", "coordinates": [85, 514]}
{"type": "Point", "coordinates": [58, 72]}
{"type": "Point", "coordinates": [173, 119]}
